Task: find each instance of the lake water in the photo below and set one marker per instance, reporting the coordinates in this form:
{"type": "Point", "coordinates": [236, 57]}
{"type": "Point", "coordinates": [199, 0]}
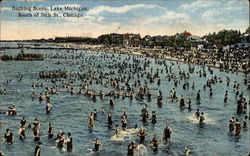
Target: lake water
{"type": "Point", "coordinates": [70, 112]}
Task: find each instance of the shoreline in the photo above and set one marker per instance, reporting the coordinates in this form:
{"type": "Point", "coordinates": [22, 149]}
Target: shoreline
{"type": "Point", "coordinates": [154, 53]}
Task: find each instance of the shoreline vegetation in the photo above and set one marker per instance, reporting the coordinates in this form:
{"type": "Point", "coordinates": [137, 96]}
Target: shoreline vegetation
{"type": "Point", "coordinates": [209, 59]}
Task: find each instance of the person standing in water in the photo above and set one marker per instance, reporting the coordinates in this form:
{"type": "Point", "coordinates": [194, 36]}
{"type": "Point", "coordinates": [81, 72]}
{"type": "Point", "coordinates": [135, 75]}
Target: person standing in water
{"type": "Point", "coordinates": [60, 141]}
{"type": "Point", "coordinates": [91, 120]}
{"type": "Point", "coordinates": [153, 118]}
{"type": "Point", "coordinates": [97, 145]}
{"type": "Point", "coordinates": [202, 118]}
{"type": "Point", "coordinates": [131, 148]}
{"type": "Point", "coordinates": [197, 114]}
{"type": "Point", "coordinates": [37, 151]}
{"type": "Point", "coordinates": [48, 107]}
{"type": "Point", "coordinates": [237, 127]}
{"type": "Point", "coordinates": [23, 122]}
{"type": "Point", "coordinates": [186, 151]}
{"type": "Point", "coordinates": [21, 132]}
{"type": "Point", "coordinates": [231, 124]}
{"type": "Point", "coordinates": [50, 131]}
{"type": "Point", "coordinates": [69, 143]}
{"type": "Point", "coordinates": [167, 133]}
{"type": "Point", "coordinates": [8, 136]}
{"type": "Point", "coordinates": [124, 122]}
{"type": "Point", "coordinates": [155, 143]}
{"type": "Point", "coordinates": [110, 122]}
{"type": "Point", "coordinates": [142, 134]}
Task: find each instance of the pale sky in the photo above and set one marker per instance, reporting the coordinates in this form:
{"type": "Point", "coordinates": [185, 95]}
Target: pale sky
{"type": "Point", "coordinates": [157, 17]}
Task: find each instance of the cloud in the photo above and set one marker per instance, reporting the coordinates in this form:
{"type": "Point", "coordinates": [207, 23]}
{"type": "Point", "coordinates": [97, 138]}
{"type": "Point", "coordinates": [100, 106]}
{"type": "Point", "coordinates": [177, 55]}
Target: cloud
{"type": "Point", "coordinates": [196, 5]}
{"type": "Point", "coordinates": [97, 10]}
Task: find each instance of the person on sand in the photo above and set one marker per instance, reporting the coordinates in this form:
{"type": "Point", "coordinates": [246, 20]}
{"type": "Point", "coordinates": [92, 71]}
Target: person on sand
{"type": "Point", "coordinates": [167, 133]}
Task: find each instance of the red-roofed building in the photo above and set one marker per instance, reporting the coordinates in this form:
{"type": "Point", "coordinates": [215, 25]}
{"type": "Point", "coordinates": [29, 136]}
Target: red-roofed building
{"type": "Point", "coordinates": [186, 34]}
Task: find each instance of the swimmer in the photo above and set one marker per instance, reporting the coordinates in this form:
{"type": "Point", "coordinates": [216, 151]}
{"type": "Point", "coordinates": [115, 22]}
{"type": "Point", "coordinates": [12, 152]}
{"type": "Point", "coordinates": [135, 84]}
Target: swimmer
{"type": "Point", "coordinates": [21, 132]}
{"type": "Point", "coordinates": [8, 136]}
{"type": "Point", "coordinates": [117, 130]}
{"type": "Point", "coordinates": [202, 118]}
{"type": "Point", "coordinates": [142, 134]}
{"type": "Point", "coordinates": [48, 107]}
{"type": "Point", "coordinates": [245, 122]}
{"type": "Point", "coordinates": [155, 143]}
{"type": "Point", "coordinates": [60, 141]}
{"type": "Point", "coordinates": [59, 134]}
{"type": "Point", "coordinates": [36, 124]}
{"type": "Point", "coordinates": [97, 145]}
{"type": "Point", "coordinates": [36, 134]}
{"type": "Point", "coordinates": [197, 114]}
{"type": "Point", "coordinates": [37, 151]}
{"type": "Point", "coordinates": [225, 97]}
{"type": "Point", "coordinates": [91, 120]}
{"type": "Point", "coordinates": [167, 133]}
{"type": "Point", "coordinates": [186, 151]}
{"type": "Point", "coordinates": [11, 110]}
{"type": "Point", "coordinates": [237, 127]}
{"type": "Point", "coordinates": [153, 118]}
{"type": "Point", "coordinates": [189, 105]}
{"type": "Point", "coordinates": [50, 131]}
{"type": "Point", "coordinates": [231, 124]}
{"type": "Point", "coordinates": [110, 122]}
{"type": "Point", "coordinates": [111, 103]}
{"type": "Point", "coordinates": [198, 96]}
{"type": "Point", "coordinates": [23, 122]}
{"type": "Point", "coordinates": [182, 102]}
{"type": "Point", "coordinates": [131, 148]}
{"type": "Point", "coordinates": [124, 122]}
{"type": "Point", "coordinates": [69, 142]}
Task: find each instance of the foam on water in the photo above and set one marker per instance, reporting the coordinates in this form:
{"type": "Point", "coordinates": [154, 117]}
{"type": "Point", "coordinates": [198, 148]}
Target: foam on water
{"type": "Point", "coordinates": [207, 120]}
{"type": "Point", "coordinates": [141, 150]}
{"type": "Point", "coordinates": [124, 135]}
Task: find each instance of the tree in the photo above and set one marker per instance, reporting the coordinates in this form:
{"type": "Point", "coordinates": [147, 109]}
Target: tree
{"type": "Point", "coordinates": [248, 30]}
